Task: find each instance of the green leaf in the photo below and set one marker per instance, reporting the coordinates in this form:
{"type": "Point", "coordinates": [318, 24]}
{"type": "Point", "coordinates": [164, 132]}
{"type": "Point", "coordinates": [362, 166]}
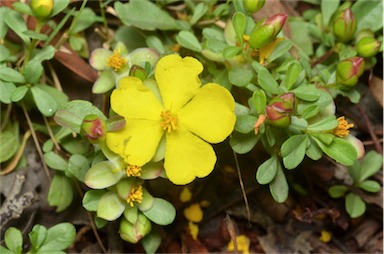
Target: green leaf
{"type": "Point", "coordinates": [328, 7]}
{"type": "Point", "coordinates": [47, 53]}
{"type": "Point", "coordinates": [231, 51]}
{"type": "Point", "coordinates": [91, 199]}
{"type": "Point", "coordinates": [14, 240]}
{"type": "Point", "coordinates": [199, 12]}
{"type": "Point", "coordinates": [103, 174]}
{"type": "Point", "coordinates": [60, 192]}
{"type": "Point", "coordinates": [245, 123]}
{"type": "Point", "coordinates": [188, 40]}
{"type": "Point", "coordinates": [55, 161]}
{"type": "Point", "coordinates": [370, 186]}
{"type": "Point", "coordinates": [35, 36]}
{"type": "Point", "coordinates": [3, 25]}
{"type": "Point", "coordinates": [281, 48]}
{"type": "Point", "coordinates": [84, 20]}
{"type": "Point", "coordinates": [9, 141]}
{"type": "Point", "coordinates": [4, 250]}
{"type": "Point", "coordinates": [354, 170]}
{"type": "Point", "coordinates": [162, 212]}
{"type": "Point", "coordinates": [326, 124]}
{"type": "Point", "coordinates": [372, 163]}
{"type": "Point", "coordinates": [155, 43]}
{"type": "Point", "coordinates": [78, 165]}
{"type": "Point", "coordinates": [292, 75]}
{"type": "Point", "coordinates": [337, 191]}
{"type": "Point", "coordinates": [298, 123]}
{"type": "Point", "coordinates": [326, 138]}
{"type": "Point", "coordinates": [259, 100]}
{"type": "Point", "coordinates": [72, 115]}
{"type": "Point", "coordinates": [340, 150]}
{"type": "Point", "coordinates": [313, 151]}
{"type": "Point", "coordinates": [59, 6]}
{"type": "Point", "coordinates": [368, 14]}
{"type": "Point", "coordinates": [151, 242]}
{"type": "Point", "coordinates": [243, 143]}
{"type": "Point", "coordinates": [302, 39]}
{"type": "Point", "coordinates": [6, 90]}
{"type": "Point", "coordinates": [354, 205]}
{"type": "Point", "coordinates": [268, 82]}
{"type": "Point", "coordinates": [293, 150]}
{"type": "Point", "coordinates": [145, 15]}
{"type": "Point", "coordinates": [239, 23]}
{"type": "Point", "coordinates": [267, 171]}
{"type": "Point", "coordinates": [19, 93]}
{"type": "Point", "coordinates": [60, 97]}
{"type": "Point", "coordinates": [131, 214]}
{"type": "Point", "coordinates": [110, 206]}
{"type": "Point", "coordinates": [307, 92]}
{"type": "Point", "coordinates": [279, 187]}
{"type": "Point", "coordinates": [37, 236]}
{"type": "Point", "coordinates": [59, 237]}
{"type": "Point", "coordinates": [46, 104]}
{"type": "Point", "coordinates": [240, 76]}
{"type": "Point", "coordinates": [33, 71]}
{"type": "Point", "coordinates": [15, 21]}
{"type": "Point", "coordinates": [23, 8]}
{"type": "Point", "coordinates": [11, 75]}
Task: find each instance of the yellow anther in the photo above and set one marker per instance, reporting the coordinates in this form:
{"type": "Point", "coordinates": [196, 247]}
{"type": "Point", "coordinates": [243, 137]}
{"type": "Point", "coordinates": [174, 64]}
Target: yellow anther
{"type": "Point", "coordinates": [342, 129]}
{"type": "Point", "coordinates": [116, 61]}
{"type": "Point", "coordinates": [133, 170]}
{"type": "Point", "coordinates": [136, 195]}
{"type": "Point", "coordinates": [169, 122]}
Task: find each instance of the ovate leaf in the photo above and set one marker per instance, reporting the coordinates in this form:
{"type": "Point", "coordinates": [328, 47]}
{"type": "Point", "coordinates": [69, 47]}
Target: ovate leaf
{"type": "Point", "coordinates": [267, 171]}
{"type": "Point", "coordinates": [60, 192]}
{"type": "Point", "coordinates": [162, 212]}
{"type": "Point", "coordinates": [354, 205]}
{"type": "Point", "coordinates": [293, 150]}
{"type": "Point", "coordinates": [279, 187]}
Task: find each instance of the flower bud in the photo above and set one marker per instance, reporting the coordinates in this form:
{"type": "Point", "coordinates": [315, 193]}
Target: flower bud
{"type": "Point", "coordinates": [367, 47]}
{"type": "Point", "coordinates": [349, 70]}
{"type": "Point", "coordinates": [267, 31]}
{"type": "Point", "coordinates": [133, 233]}
{"type": "Point", "coordinates": [344, 25]}
{"type": "Point", "coordinates": [253, 6]}
{"type": "Point", "coordinates": [94, 128]}
{"type": "Point", "coordinates": [363, 33]}
{"type": "Point", "coordinates": [279, 110]}
{"type": "Point", "coordinates": [42, 8]}
{"type": "Point", "coordinates": [138, 72]}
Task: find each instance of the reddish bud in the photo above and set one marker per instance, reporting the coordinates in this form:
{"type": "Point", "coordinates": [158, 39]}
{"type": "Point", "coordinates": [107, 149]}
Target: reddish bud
{"type": "Point", "coordinates": [94, 128]}
{"type": "Point", "coordinates": [344, 25]}
{"type": "Point", "coordinates": [267, 31]}
{"type": "Point", "coordinates": [349, 70]}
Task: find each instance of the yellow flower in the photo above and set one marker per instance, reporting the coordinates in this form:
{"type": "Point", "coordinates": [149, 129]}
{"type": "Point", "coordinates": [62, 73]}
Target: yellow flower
{"type": "Point", "coordinates": [243, 244]}
{"type": "Point", "coordinates": [325, 236]}
{"type": "Point", "coordinates": [116, 61]}
{"type": "Point", "coordinates": [189, 115]}
{"type": "Point", "coordinates": [342, 129]}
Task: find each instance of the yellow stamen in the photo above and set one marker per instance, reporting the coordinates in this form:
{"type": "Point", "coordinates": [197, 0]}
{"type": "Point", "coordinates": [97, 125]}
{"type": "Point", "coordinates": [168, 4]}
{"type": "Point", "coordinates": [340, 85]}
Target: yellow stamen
{"type": "Point", "coordinates": [342, 129]}
{"type": "Point", "coordinates": [246, 38]}
{"type": "Point", "coordinates": [136, 195]}
{"type": "Point", "coordinates": [133, 170]}
{"type": "Point", "coordinates": [116, 61]}
{"type": "Point", "coordinates": [169, 122]}
{"type": "Point", "coordinates": [175, 47]}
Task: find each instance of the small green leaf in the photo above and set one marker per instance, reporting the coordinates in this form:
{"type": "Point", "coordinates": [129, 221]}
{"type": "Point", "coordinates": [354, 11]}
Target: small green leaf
{"type": "Point", "coordinates": [326, 124]}
{"type": "Point", "coordinates": [337, 191]}
{"type": "Point", "coordinates": [199, 12]}
{"type": "Point", "coordinates": [293, 150]}
{"type": "Point", "coordinates": [84, 20]}
{"type": "Point", "coordinates": [307, 92]}
{"type": "Point", "coordinates": [55, 161]}
{"type": "Point", "coordinates": [9, 143]}
{"type": "Point", "coordinates": [15, 21]}
{"type": "Point", "coordinates": [131, 214]}
{"type": "Point", "coordinates": [155, 43]}
{"type": "Point", "coordinates": [243, 143]}
{"type": "Point", "coordinates": [4, 250]}
{"type": "Point", "coordinates": [188, 40]}
{"type": "Point", "coordinates": [3, 26]}
{"type": "Point", "coordinates": [259, 100]}
{"type": "Point", "coordinates": [279, 187]}
{"type": "Point", "coordinates": [6, 90]}
{"type": "Point", "coordinates": [59, 237]}
{"type": "Point", "coordinates": [326, 138]}
{"type": "Point", "coordinates": [368, 14]}
{"type": "Point", "coordinates": [292, 75]}
{"type": "Point", "coordinates": [268, 82]}
{"type": "Point", "coordinates": [37, 236]}
{"type": "Point", "coordinates": [91, 199]}
{"type": "Point", "coordinates": [46, 104]}
{"type": "Point", "coordinates": [328, 8]}
{"type": "Point", "coordinates": [19, 93]}
{"type": "Point", "coordinates": [47, 53]}
{"type": "Point", "coordinates": [78, 166]}
{"type": "Point", "coordinates": [245, 123]}
{"type": "Point", "coordinates": [298, 123]}
{"type": "Point", "coordinates": [60, 192]}
{"type": "Point", "coordinates": [340, 150]}
{"type": "Point", "coordinates": [35, 36]}
{"type": "Point", "coordinates": [354, 205]}
{"type": "Point", "coordinates": [239, 23]}
{"type": "Point", "coordinates": [313, 151]}
{"type": "Point", "coordinates": [281, 48]}
{"type": "Point", "coordinates": [103, 174]}
{"type": "Point", "coordinates": [267, 171]}
{"type": "Point", "coordinates": [372, 163]}
{"type": "Point", "coordinates": [231, 51]}
{"type": "Point", "coordinates": [33, 71]}
{"type": "Point", "coordinates": [11, 75]}
{"type": "Point", "coordinates": [370, 186]}
{"type": "Point", "coordinates": [110, 206]}
{"type": "Point", "coordinates": [151, 242]}
{"type": "Point", "coordinates": [23, 8]}
{"type": "Point", "coordinates": [14, 240]}
{"type": "Point", "coordinates": [240, 76]}
{"type": "Point", "coordinates": [162, 212]}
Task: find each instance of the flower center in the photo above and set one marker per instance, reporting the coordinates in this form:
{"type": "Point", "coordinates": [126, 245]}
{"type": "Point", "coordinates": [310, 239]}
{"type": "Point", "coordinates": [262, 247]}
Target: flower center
{"type": "Point", "coordinates": [133, 170]}
{"type": "Point", "coordinates": [136, 195]}
{"type": "Point", "coordinates": [342, 129]}
{"type": "Point", "coordinates": [116, 62]}
{"type": "Point", "coordinates": [169, 122]}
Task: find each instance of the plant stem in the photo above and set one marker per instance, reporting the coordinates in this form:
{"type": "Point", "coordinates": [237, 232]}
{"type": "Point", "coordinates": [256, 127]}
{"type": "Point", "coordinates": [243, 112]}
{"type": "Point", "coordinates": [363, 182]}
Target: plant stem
{"type": "Point", "coordinates": [322, 58]}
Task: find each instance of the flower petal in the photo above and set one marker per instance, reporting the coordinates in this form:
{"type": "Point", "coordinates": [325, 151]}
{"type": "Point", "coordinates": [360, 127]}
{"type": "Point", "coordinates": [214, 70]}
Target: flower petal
{"type": "Point", "coordinates": [210, 114]}
{"type": "Point", "coordinates": [104, 83]}
{"type": "Point", "coordinates": [98, 59]}
{"type": "Point", "coordinates": [178, 80]}
{"type": "Point", "coordinates": [134, 100]}
{"type": "Point", "coordinates": [137, 141]}
{"type": "Point", "coordinates": [187, 156]}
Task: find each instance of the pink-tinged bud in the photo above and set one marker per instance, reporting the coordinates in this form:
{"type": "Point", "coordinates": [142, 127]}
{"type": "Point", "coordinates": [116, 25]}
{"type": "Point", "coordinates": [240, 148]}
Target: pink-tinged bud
{"type": "Point", "coordinates": [138, 72]}
{"type": "Point", "coordinates": [267, 31]}
{"type": "Point", "coordinates": [367, 47]}
{"type": "Point", "coordinates": [349, 71]}
{"type": "Point", "coordinates": [133, 233]}
{"type": "Point", "coordinates": [344, 25]}
{"type": "Point", "coordinates": [252, 6]}
{"type": "Point", "coordinates": [366, 32]}
{"type": "Point", "coordinates": [94, 128]}
{"type": "Point", "coordinates": [279, 110]}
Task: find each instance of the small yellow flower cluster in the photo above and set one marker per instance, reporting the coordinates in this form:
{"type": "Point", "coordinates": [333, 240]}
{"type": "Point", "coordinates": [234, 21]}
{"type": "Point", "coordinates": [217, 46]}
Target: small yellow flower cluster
{"type": "Point", "coordinates": [116, 61]}
{"type": "Point", "coordinates": [133, 170]}
{"type": "Point", "coordinates": [342, 129]}
{"type": "Point", "coordinates": [136, 195]}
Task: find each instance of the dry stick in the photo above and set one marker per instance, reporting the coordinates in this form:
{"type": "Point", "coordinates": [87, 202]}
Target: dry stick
{"type": "Point", "coordinates": [51, 134]}
{"type": "Point", "coordinates": [371, 131]}
{"type": "Point", "coordinates": [242, 187]}
{"type": "Point", "coordinates": [38, 148]}
{"type": "Point", "coordinates": [231, 231]}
